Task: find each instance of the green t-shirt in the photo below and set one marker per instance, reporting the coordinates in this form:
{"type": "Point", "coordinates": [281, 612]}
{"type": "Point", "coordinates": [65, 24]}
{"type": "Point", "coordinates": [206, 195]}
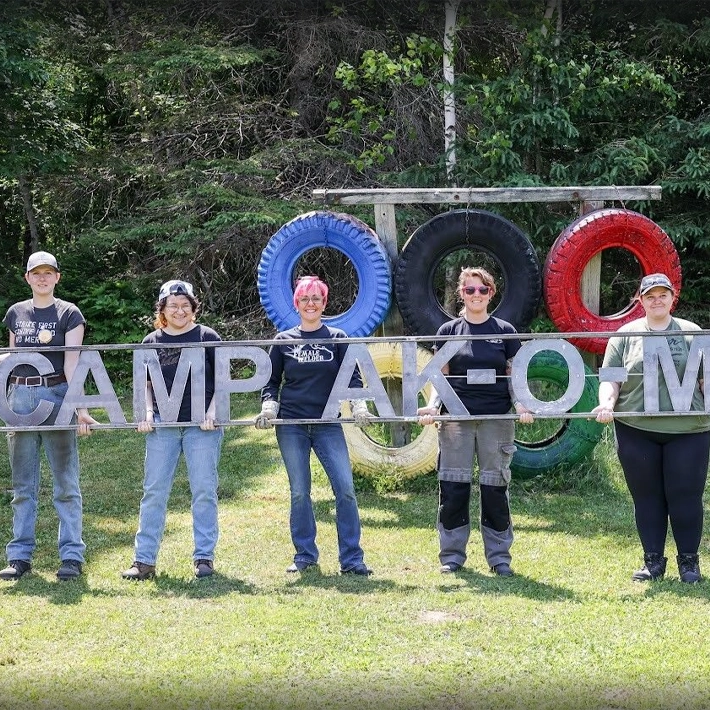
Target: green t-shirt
{"type": "Point", "coordinates": [627, 352]}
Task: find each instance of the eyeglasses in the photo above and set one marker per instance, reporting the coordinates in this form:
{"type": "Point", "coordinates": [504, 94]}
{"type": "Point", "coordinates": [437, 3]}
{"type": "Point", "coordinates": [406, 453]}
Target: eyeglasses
{"type": "Point", "coordinates": [315, 300]}
{"type": "Point", "coordinates": [175, 309]}
{"type": "Point", "coordinates": [470, 290]}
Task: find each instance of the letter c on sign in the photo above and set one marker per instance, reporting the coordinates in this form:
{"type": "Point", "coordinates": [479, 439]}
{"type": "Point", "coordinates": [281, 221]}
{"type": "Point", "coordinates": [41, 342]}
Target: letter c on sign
{"type": "Point", "coordinates": [44, 409]}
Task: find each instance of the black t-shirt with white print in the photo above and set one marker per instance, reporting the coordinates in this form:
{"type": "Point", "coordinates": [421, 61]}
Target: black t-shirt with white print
{"type": "Point", "coordinates": [302, 375]}
{"type": "Point", "coordinates": [169, 358]}
{"type": "Point", "coordinates": [34, 327]}
{"type": "Point", "coordinates": [489, 354]}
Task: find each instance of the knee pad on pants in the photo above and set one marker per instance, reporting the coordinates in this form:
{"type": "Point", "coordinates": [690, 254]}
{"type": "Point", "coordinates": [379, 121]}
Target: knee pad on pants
{"type": "Point", "coordinates": [454, 504]}
{"type": "Point", "coordinates": [495, 510]}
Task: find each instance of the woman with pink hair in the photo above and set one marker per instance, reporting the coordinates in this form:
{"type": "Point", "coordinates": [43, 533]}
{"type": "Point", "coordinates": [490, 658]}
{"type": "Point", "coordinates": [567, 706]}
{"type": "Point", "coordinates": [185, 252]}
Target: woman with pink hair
{"type": "Point", "coordinates": [302, 377]}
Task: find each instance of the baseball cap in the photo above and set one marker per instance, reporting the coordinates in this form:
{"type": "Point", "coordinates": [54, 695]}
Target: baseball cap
{"type": "Point", "coordinates": [176, 288]}
{"type": "Point", "coordinates": [654, 280]}
{"type": "Point", "coordinates": [41, 258]}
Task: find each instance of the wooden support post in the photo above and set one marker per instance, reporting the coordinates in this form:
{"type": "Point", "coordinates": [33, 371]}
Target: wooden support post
{"type": "Point", "coordinates": [590, 283]}
{"type": "Point", "coordinates": [386, 228]}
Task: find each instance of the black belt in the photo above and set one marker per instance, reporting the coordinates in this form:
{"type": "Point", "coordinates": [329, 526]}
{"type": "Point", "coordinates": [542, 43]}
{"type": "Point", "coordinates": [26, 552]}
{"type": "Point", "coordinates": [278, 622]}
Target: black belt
{"type": "Point", "coordinates": [39, 380]}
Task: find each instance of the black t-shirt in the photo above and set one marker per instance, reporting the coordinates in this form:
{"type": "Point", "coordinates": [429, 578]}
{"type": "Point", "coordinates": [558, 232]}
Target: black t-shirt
{"type": "Point", "coordinates": [302, 376]}
{"type": "Point", "coordinates": [169, 357]}
{"type": "Point", "coordinates": [34, 327]}
{"type": "Point", "coordinates": [489, 354]}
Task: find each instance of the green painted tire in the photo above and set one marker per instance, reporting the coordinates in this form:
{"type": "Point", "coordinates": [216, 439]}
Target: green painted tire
{"type": "Point", "coordinates": [575, 439]}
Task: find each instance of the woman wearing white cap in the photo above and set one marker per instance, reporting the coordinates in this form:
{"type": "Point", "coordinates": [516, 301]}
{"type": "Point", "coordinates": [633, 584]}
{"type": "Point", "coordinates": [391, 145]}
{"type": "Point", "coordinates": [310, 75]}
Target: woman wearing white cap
{"type": "Point", "coordinates": [44, 320]}
{"type": "Point", "coordinates": [175, 325]}
{"type": "Point", "coordinates": [665, 458]}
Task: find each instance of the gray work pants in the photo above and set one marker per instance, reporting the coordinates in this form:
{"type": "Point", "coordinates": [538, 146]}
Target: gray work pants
{"type": "Point", "coordinates": [491, 443]}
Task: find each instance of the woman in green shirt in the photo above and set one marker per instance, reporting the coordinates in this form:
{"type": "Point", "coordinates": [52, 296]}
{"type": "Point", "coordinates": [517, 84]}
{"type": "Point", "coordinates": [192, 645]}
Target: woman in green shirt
{"type": "Point", "coordinates": [664, 459]}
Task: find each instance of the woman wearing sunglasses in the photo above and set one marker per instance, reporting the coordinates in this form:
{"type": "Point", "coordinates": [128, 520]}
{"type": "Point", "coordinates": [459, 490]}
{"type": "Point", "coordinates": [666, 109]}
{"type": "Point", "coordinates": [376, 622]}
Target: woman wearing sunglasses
{"type": "Point", "coordinates": [301, 380]}
{"type": "Point", "coordinates": [490, 441]}
{"type": "Point", "coordinates": [175, 316]}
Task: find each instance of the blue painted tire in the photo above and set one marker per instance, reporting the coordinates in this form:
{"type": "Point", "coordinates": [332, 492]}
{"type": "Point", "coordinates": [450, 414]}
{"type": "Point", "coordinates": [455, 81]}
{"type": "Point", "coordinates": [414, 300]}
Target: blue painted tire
{"type": "Point", "coordinates": [347, 234]}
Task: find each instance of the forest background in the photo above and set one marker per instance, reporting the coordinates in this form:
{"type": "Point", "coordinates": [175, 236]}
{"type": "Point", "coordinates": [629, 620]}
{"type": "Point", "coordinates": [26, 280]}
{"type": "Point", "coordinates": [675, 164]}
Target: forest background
{"type": "Point", "coordinates": [147, 140]}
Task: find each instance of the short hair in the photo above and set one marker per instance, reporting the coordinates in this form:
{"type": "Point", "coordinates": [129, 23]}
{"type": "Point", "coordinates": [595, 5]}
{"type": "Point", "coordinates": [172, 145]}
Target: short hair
{"type": "Point", "coordinates": [309, 283]}
{"type": "Point", "coordinates": [470, 272]}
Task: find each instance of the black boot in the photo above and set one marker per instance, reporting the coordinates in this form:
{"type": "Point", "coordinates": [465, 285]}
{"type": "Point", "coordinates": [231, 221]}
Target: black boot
{"type": "Point", "coordinates": [688, 568]}
{"type": "Point", "coordinates": [654, 567]}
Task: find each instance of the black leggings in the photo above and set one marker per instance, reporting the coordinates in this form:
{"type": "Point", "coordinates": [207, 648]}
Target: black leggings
{"type": "Point", "coordinates": [666, 476]}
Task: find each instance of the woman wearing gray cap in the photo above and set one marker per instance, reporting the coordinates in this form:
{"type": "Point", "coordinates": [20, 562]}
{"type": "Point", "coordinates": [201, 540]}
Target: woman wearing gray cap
{"type": "Point", "coordinates": [175, 325]}
{"type": "Point", "coordinates": [664, 458]}
{"type": "Point", "coordinates": [44, 320]}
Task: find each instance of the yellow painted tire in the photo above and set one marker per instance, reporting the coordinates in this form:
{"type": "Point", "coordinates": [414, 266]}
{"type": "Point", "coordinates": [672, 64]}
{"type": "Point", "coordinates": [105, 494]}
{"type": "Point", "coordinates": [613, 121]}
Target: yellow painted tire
{"type": "Point", "coordinates": [370, 458]}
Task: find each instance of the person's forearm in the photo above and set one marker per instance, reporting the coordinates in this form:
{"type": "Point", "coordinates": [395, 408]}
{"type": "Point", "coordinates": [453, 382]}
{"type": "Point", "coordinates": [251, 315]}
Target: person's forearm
{"type": "Point", "coordinates": [608, 394]}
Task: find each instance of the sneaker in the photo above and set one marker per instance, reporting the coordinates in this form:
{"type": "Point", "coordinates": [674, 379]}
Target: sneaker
{"type": "Point", "coordinates": [69, 569]}
{"type": "Point", "coordinates": [654, 567]}
{"type": "Point", "coordinates": [139, 571]}
{"type": "Point", "coordinates": [300, 566]}
{"type": "Point", "coordinates": [204, 568]}
{"type": "Point", "coordinates": [15, 569]}
{"type": "Point", "coordinates": [689, 568]}
{"type": "Point", "coordinates": [502, 570]}
{"type": "Point", "coordinates": [450, 568]}
{"type": "Point", "coordinates": [362, 569]}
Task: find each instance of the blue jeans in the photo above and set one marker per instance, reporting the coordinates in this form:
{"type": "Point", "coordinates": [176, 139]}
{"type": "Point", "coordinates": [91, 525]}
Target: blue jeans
{"type": "Point", "coordinates": [60, 447]}
{"type": "Point", "coordinates": [328, 443]}
{"type": "Point", "coordinates": [162, 453]}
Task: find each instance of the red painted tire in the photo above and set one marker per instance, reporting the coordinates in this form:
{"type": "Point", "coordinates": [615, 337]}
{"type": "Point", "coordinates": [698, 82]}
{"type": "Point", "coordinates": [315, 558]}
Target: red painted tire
{"type": "Point", "coordinates": [572, 251]}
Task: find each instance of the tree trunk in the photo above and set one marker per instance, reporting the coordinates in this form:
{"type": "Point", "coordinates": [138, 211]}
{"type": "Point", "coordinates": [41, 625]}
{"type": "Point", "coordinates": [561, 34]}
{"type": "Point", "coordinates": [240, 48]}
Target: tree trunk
{"type": "Point", "coordinates": [449, 100]}
{"type": "Point", "coordinates": [26, 194]}
{"type": "Point", "coordinates": [553, 5]}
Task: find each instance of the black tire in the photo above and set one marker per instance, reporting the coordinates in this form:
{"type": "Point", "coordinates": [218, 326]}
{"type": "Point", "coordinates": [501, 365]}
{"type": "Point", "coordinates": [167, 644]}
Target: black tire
{"type": "Point", "coordinates": [460, 229]}
{"type": "Point", "coordinates": [576, 438]}
{"type": "Point", "coordinates": [348, 235]}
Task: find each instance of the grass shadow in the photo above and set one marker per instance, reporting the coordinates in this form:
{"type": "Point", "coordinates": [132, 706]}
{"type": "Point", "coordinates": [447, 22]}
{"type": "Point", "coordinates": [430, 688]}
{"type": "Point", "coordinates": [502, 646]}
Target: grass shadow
{"type": "Point", "coordinates": [314, 578]}
{"type": "Point", "coordinates": [73, 592]}
{"type": "Point", "coordinates": [518, 585]}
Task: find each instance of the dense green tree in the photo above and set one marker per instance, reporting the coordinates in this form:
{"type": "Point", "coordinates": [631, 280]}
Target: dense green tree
{"type": "Point", "coordinates": [149, 139]}
{"type": "Point", "coordinates": [40, 133]}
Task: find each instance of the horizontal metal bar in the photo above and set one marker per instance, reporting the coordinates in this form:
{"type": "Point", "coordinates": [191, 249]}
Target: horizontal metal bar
{"type": "Point", "coordinates": [370, 339]}
{"type": "Point", "coordinates": [377, 420]}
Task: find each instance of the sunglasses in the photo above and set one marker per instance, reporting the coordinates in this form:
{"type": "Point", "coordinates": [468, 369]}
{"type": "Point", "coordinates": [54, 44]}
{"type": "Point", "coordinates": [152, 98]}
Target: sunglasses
{"type": "Point", "coordinates": [470, 290]}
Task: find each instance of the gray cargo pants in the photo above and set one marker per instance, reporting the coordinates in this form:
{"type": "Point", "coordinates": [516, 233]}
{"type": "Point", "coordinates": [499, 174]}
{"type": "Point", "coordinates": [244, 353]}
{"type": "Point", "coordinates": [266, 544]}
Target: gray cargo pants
{"type": "Point", "coordinates": [491, 441]}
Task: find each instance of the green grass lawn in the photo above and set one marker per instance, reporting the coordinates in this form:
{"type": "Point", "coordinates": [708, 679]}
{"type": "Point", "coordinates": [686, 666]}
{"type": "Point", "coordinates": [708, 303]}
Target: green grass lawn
{"type": "Point", "coordinates": [570, 630]}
